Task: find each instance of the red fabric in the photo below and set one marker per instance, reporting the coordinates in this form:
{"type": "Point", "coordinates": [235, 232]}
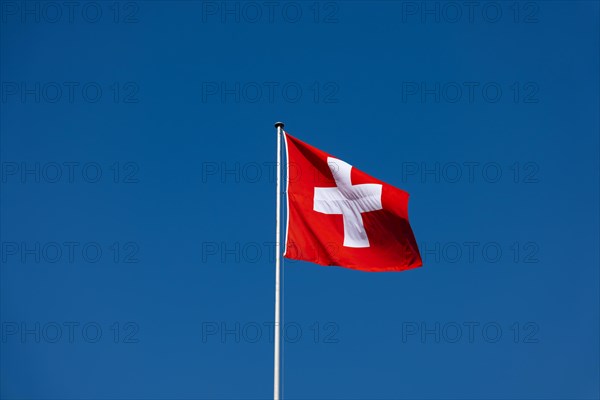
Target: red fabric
{"type": "Point", "coordinates": [316, 237]}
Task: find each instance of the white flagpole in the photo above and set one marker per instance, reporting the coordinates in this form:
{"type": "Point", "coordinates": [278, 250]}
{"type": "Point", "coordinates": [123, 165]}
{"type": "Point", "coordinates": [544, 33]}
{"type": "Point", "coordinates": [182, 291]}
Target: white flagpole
{"type": "Point", "coordinates": [279, 126]}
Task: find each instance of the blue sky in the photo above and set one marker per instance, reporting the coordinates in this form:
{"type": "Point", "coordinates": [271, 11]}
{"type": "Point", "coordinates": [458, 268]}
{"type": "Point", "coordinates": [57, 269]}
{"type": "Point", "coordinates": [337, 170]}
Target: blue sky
{"type": "Point", "coordinates": [138, 200]}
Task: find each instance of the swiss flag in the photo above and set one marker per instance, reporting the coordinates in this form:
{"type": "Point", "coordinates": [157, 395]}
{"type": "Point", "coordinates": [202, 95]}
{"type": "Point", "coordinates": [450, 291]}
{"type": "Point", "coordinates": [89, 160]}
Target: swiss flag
{"type": "Point", "coordinates": [338, 215]}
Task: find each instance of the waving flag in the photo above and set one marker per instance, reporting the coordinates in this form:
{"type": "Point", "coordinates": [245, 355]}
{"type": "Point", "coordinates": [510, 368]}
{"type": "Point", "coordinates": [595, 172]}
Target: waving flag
{"type": "Point", "coordinates": [338, 215]}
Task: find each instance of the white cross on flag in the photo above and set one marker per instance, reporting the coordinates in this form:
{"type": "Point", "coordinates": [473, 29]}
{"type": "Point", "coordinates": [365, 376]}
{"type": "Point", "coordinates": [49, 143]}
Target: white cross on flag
{"type": "Point", "coordinates": [338, 215]}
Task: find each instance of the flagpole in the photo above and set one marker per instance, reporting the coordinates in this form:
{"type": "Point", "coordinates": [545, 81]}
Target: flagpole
{"type": "Point", "coordinates": [279, 126]}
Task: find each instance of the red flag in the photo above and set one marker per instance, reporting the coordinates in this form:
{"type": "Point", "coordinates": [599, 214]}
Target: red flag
{"type": "Point", "coordinates": [338, 215]}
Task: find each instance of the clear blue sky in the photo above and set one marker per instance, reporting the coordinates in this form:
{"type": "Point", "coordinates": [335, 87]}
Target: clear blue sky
{"type": "Point", "coordinates": [488, 117]}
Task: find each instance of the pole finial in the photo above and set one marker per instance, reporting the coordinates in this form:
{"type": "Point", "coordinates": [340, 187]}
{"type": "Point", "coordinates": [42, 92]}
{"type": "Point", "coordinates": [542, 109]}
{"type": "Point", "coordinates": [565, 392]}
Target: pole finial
{"type": "Point", "coordinates": [279, 124]}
